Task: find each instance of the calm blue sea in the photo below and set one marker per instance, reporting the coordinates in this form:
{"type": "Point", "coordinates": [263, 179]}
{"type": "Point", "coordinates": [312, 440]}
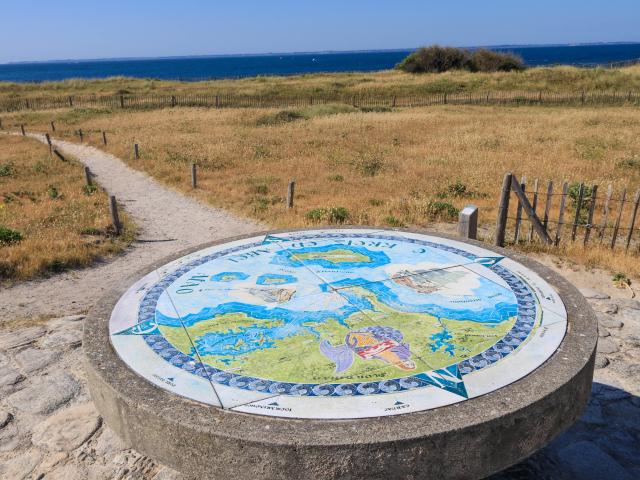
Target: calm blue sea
{"type": "Point", "coordinates": [200, 68]}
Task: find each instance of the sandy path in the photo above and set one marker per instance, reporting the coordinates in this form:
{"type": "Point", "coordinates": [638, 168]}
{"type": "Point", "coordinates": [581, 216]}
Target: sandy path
{"type": "Point", "coordinates": [167, 220]}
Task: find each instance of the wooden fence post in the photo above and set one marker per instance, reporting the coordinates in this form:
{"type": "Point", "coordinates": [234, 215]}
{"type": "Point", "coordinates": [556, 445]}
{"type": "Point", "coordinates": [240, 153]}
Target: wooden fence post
{"type": "Point", "coordinates": [576, 219]}
{"type": "Point", "coordinates": [194, 178]}
{"type": "Point", "coordinates": [605, 213]}
{"type": "Point", "coordinates": [592, 209]}
{"type": "Point", "coordinates": [136, 151]}
{"type": "Point", "coordinates": [121, 101]}
{"type": "Point", "coordinates": [616, 227]}
{"type": "Point", "coordinates": [468, 222]}
{"type": "Point", "coordinates": [59, 155]}
{"type": "Point", "coordinates": [87, 176]}
{"type": "Point", "coordinates": [535, 207]}
{"type": "Point", "coordinates": [104, 137]}
{"type": "Point", "coordinates": [53, 126]}
{"type": "Point", "coordinates": [516, 233]}
{"type": "Point", "coordinates": [173, 100]}
{"type": "Point", "coordinates": [503, 210]}
{"type": "Point", "coordinates": [547, 205]}
{"type": "Point", "coordinates": [46, 135]}
{"type": "Point", "coordinates": [115, 219]}
{"type": "Point", "coordinates": [563, 202]}
{"type": "Point", "coordinates": [1, 127]}
{"type": "Point", "coordinates": [80, 135]}
{"type": "Point", "coordinates": [533, 218]}
{"type": "Point", "coordinates": [632, 222]}
{"type": "Point", "coordinates": [70, 101]}
{"type": "Point", "coordinates": [22, 130]}
{"type": "Point", "coordinates": [290, 193]}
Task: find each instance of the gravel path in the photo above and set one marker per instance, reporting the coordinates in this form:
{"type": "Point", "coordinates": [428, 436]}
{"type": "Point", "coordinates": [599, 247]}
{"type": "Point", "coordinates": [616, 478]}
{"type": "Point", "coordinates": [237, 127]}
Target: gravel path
{"type": "Point", "coordinates": [167, 220]}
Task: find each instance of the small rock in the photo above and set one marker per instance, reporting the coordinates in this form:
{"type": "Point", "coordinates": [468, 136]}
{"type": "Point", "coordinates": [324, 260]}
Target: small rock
{"type": "Point", "coordinates": [46, 394]}
{"type": "Point", "coordinates": [32, 359]}
{"type": "Point", "coordinates": [66, 472]}
{"type": "Point", "coordinates": [21, 466]}
{"type": "Point", "coordinates": [630, 315]}
{"type": "Point", "coordinates": [609, 308]}
{"type": "Point", "coordinates": [9, 438]}
{"type": "Point", "coordinates": [66, 337]}
{"type": "Point", "coordinates": [108, 443]}
{"type": "Point", "coordinates": [9, 379]}
{"type": "Point", "coordinates": [20, 338]}
{"type": "Point", "coordinates": [603, 332]}
{"type": "Point", "coordinates": [67, 429]}
{"type": "Point", "coordinates": [607, 346]}
{"type": "Point", "coordinates": [65, 321]}
{"type": "Point", "coordinates": [609, 322]}
{"type": "Point", "coordinates": [168, 474]}
{"type": "Point", "coordinates": [5, 418]}
{"type": "Point", "coordinates": [601, 361]}
{"type": "Point", "coordinates": [593, 294]}
{"type": "Point", "coordinates": [630, 304]}
{"type": "Point", "coordinates": [586, 461]}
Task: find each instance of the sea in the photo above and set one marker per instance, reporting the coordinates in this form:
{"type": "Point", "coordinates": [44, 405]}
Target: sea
{"type": "Point", "coordinates": [239, 66]}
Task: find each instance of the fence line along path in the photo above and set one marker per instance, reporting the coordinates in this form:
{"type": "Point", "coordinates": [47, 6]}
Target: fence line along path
{"type": "Point", "coordinates": [362, 100]}
{"type": "Point", "coordinates": [568, 212]}
{"type": "Point", "coordinates": [167, 222]}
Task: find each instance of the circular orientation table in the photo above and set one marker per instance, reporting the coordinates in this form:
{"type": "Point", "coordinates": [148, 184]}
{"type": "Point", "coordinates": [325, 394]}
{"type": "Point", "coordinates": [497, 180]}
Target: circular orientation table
{"type": "Point", "coordinates": [341, 353]}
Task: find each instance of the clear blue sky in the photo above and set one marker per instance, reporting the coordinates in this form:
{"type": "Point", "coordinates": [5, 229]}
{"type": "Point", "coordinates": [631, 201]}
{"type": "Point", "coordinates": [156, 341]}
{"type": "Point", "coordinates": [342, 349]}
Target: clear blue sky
{"type": "Point", "coordinates": [74, 29]}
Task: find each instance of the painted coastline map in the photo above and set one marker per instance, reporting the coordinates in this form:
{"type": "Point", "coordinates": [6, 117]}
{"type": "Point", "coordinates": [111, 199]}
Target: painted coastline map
{"type": "Point", "coordinates": [337, 323]}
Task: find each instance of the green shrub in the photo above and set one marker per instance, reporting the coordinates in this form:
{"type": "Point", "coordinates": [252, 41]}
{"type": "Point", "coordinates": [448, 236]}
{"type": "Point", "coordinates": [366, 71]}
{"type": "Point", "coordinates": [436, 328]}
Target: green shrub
{"type": "Point", "coordinates": [8, 236]}
{"type": "Point", "coordinates": [394, 222]}
{"type": "Point", "coordinates": [6, 170]}
{"type": "Point", "coordinates": [442, 210]}
{"type": "Point", "coordinates": [437, 59]}
{"type": "Point", "coordinates": [369, 165]}
{"type": "Point", "coordinates": [91, 231]}
{"type": "Point", "coordinates": [374, 202]}
{"type": "Point", "coordinates": [338, 215]}
{"type": "Point", "coordinates": [316, 215]}
{"type": "Point", "coordinates": [336, 178]}
{"type": "Point", "coordinates": [483, 60]}
{"type": "Point", "coordinates": [283, 116]}
{"type": "Point", "coordinates": [53, 192]}
{"type": "Point", "coordinates": [631, 162]}
{"type": "Point", "coordinates": [89, 190]}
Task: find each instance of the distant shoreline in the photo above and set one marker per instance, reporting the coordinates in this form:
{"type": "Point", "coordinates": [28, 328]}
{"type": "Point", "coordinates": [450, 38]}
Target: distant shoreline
{"type": "Point", "coordinates": [215, 67]}
{"type": "Point", "coordinates": [319, 52]}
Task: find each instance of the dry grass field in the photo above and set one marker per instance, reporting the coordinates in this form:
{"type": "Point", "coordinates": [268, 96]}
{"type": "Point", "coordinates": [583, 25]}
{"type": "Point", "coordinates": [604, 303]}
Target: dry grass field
{"type": "Point", "coordinates": [49, 220]}
{"type": "Point", "coordinates": [384, 84]}
{"type": "Point", "coordinates": [409, 167]}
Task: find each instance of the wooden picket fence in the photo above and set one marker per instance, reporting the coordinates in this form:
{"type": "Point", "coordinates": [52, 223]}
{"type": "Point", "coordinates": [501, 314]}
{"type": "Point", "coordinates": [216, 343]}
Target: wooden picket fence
{"type": "Point", "coordinates": [365, 100]}
{"type": "Point", "coordinates": [575, 212]}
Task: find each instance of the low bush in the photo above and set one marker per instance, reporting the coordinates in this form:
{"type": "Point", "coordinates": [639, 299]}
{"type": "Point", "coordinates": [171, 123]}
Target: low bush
{"type": "Point", "coordinates": [437, 59]}
{"type": "Point", "coordinates": [8, 236]}
{"type": "Point", "coordinates": [442, 210]}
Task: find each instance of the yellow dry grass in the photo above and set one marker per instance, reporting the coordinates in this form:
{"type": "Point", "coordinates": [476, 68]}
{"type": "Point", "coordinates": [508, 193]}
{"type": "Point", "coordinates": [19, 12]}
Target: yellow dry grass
{"type": "Point", "coordinates": [383, 83]}
{"type": "Point", "coordinates": [63, 225]}
{"type": "Point", "coordinates": [392, 168]}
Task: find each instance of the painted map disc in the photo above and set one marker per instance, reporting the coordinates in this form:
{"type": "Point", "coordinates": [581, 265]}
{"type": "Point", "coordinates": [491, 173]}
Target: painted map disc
{"type": "Point", "coordinates": [337, 324]}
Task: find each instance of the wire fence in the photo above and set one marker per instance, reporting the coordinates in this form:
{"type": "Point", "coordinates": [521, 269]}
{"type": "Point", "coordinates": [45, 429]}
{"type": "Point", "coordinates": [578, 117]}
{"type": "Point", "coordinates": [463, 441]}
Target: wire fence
{"type": "Point", "coordinates": [365, 100]}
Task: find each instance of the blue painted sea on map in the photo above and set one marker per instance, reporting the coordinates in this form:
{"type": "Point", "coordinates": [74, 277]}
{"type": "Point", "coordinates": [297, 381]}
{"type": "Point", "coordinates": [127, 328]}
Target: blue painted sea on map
{"type": "Point", "coordinates": [237, 66]}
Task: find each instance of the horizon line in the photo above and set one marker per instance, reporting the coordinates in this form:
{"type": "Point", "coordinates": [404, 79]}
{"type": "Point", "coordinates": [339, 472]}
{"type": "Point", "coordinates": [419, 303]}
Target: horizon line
{"type": "Point", "coordinates": [319, 52]}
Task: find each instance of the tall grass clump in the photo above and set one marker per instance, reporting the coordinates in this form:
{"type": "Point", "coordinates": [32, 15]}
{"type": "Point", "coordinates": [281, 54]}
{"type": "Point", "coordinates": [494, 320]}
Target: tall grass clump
{"type": "Point", "coordinates": [437, 59]}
